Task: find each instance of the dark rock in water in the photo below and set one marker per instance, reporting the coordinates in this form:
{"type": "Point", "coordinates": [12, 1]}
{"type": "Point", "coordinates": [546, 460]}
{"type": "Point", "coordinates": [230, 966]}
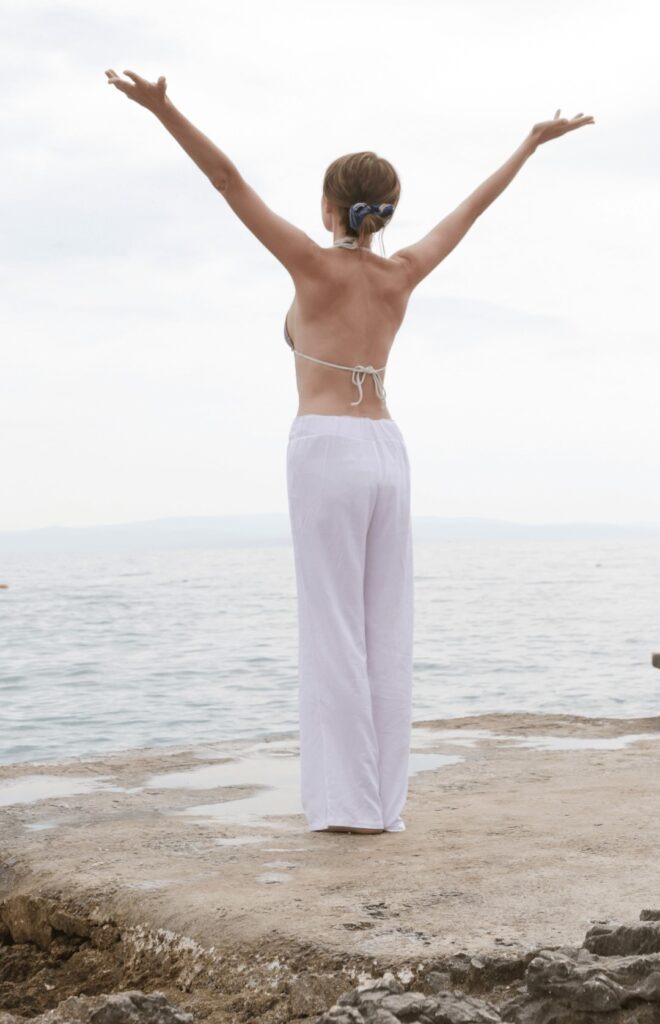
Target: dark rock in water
{"type": "Point", "coordinates": [649, 915]}
{"type": "Point", "coordinates": [119, 1008]}
{"type": "Point", "coordinates": [623, 940]}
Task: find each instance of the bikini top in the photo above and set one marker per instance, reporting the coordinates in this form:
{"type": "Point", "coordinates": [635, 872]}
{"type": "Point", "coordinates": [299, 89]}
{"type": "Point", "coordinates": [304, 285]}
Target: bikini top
{"type": "Point", "coordinates": [358, 372]}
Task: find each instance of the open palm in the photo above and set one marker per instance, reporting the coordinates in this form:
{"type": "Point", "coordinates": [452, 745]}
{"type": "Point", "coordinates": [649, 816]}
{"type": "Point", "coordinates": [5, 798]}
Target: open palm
{"type": "Point", "coordinates": [148, 94]}
{"type": "Point", "coordinates": [546, 130]}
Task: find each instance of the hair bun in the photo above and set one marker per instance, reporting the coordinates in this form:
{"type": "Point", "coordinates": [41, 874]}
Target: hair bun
{"type": "Point", "coordinates": [358, 211]}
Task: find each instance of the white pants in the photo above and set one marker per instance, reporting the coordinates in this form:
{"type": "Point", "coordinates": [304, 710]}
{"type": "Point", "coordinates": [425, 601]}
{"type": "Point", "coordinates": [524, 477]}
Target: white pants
{"type": "Point", "coordinates": [348, 481]}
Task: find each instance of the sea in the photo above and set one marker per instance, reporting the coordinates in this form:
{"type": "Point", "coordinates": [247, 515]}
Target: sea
{"type": "Point", "coordinates": [104, 651]}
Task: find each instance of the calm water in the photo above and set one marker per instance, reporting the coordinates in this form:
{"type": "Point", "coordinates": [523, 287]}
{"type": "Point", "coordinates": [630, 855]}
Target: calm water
{"type": "Point", "coordinates": [109, 652]}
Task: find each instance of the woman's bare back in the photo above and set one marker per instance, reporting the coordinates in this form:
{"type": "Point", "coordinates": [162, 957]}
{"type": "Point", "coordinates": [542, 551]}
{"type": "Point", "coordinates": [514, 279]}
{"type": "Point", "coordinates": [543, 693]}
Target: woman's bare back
{"type": "Point", "coordinates": [347, 309]}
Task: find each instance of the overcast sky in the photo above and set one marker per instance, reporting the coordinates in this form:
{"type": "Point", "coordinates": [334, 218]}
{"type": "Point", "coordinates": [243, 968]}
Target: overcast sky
{"type": "Point", "coordinates": [143, 369]}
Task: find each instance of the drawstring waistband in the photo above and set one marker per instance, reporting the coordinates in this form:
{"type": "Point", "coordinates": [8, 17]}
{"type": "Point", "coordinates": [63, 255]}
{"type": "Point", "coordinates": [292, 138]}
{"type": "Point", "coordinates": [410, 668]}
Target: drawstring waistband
{"type": "Point", "coordinates": [348, 425]}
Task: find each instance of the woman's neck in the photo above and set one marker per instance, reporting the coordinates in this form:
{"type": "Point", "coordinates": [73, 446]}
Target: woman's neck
{"type": "Point", "coordinates": [348, 242]}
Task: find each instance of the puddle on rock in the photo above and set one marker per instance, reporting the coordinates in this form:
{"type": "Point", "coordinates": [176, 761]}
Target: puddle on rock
{"type": "Point", "coordinates": [279, 799]}
{"type": "Point", "coordinates": [31, 788]}
{"type": "Point", "coordinates": [462, 737]}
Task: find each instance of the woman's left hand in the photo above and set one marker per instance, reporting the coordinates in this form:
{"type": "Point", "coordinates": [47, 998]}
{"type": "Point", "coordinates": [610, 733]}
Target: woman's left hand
{"type": "Point", "coordinates": [546, 130]}
{"type": "Point", "coordinates": [148, 94]}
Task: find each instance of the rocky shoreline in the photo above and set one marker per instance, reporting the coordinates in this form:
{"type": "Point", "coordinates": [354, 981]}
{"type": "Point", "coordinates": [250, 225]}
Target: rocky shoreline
{"type": "Point", "coordinates": [59, 966]}
{"type": "Point", "coordinates": [148, 886]}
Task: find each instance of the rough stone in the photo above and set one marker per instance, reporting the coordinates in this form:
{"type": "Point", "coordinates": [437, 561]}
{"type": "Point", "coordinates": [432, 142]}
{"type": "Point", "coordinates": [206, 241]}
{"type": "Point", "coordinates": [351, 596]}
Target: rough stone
{"type": "Point", "coordinates": [615, 982]}
{"type": "Point", "coordinates": [624, 940]}
{"type": "Point", "coordinates": [378, 1006]}
{"type": "Point", "coordinates": [306, 992]}
{"type": "Point", "coordinates": [131, 1007]}
{"type": "Point", "coordinates": [591, 983]}
{"type": "Point", "coordinates": [28, 920]}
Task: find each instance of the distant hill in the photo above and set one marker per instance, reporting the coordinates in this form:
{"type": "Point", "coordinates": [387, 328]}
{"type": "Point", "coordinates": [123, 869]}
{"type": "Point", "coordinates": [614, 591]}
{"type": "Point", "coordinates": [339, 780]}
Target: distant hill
{"type": "Point", "coordinates": [258, 529]}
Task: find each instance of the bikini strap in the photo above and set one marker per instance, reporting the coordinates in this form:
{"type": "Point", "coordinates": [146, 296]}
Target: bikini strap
{"type": "Point", "coordinates": [358, 374]}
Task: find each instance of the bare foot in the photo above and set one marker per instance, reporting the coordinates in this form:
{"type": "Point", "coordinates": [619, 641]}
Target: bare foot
{"type": "Point", "coordinates": [349, 828]}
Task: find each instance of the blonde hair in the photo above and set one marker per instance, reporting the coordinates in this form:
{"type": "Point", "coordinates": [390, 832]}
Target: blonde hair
{"type": "Point", "coordinates": [361, 177]}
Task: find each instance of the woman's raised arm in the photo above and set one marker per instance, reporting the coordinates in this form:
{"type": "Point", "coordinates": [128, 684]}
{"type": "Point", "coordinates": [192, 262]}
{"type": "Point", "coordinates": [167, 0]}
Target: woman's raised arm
{"type": "Point", "coordinates": [215, 164]}
{"type": "Point", "coordinates": [493, 186]}
{"type": "Point", "coordinates": [291, 246]}
{"type": "Point", "coordinates": [423, 256]}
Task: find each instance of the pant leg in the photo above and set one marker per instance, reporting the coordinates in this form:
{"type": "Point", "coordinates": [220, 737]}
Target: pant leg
{"type": "Point", "coordinates": [389, 618]}
{"type": "Point", "coordinates": [331, 484]}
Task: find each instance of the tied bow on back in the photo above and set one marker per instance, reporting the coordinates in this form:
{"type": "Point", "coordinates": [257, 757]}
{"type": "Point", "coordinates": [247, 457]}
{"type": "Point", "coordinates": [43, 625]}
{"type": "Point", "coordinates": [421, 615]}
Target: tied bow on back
{"type": "Point", "coordinates": [357, 377]}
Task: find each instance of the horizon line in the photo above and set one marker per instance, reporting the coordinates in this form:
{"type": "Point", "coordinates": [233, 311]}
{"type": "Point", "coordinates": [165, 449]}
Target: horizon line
{"type": "Point", "coordinates": [626, 524]}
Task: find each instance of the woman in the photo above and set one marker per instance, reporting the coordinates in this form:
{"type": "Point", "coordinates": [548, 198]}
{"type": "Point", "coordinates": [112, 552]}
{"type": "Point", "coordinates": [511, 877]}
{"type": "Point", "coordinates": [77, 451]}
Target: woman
{"type": "Point", "coordinates": [348, 475]}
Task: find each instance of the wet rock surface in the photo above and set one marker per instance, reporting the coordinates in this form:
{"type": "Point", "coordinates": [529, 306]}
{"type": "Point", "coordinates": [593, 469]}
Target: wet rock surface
{"type": "Point", "coordinates": [60, 963]}
{"type": "Point", "coordinates": [512, 843]}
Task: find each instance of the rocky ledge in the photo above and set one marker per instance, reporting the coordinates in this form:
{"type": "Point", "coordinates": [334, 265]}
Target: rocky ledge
{"type": "Point", "coordinates": [47, 949]}
{"type": "Point", "coordinates": [614, 977]}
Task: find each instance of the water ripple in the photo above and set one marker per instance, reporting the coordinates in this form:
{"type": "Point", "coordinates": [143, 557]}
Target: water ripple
{"type": "Point", "coordinates": [104, 652]}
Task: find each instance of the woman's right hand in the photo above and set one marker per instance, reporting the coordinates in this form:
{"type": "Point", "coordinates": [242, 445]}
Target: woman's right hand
{"type": "Point", "coordinates": [152, 95]}
{"type": "Point", "coordinates": [546, 130]}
